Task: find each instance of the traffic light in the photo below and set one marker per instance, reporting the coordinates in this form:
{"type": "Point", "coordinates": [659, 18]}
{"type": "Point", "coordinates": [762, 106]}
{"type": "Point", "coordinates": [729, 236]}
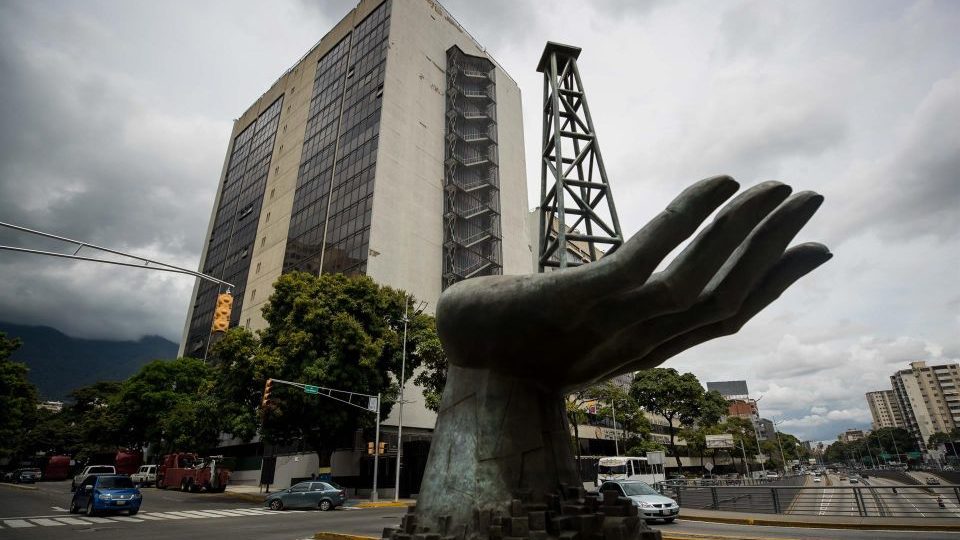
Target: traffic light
{"type": "Point", "coordinates": [221, 314]}
{"type": "Point", "coordinates": [266, 394]}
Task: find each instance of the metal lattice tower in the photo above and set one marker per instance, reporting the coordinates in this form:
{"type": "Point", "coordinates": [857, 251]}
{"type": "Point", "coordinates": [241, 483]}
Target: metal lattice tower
{"type": "Point", "coordinates": [576, 205]}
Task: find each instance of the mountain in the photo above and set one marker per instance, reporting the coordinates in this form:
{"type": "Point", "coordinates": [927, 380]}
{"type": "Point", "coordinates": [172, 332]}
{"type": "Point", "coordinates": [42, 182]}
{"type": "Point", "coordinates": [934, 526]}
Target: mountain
{"type": "Point", "coordinates": [59, 363]}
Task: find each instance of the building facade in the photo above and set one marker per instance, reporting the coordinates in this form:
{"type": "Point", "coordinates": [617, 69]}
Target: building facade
{"type": "Point", "coordinates": [885, 409]}
{"type": "Point", "coordinates": [393, 148]}
{"type": "Point", "coordinates": [852, 435]}
{"type": "Point", "coordinates": [929, 399]}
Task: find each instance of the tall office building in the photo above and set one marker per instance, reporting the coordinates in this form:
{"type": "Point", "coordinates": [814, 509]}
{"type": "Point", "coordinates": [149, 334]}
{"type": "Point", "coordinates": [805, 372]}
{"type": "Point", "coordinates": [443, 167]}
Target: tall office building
{"type": "Point", "coordinates": [885, 409]}
{"type": "Point", "coordinates": [929, 399]}
{"type": "Point", "coordinates": [393, 148]}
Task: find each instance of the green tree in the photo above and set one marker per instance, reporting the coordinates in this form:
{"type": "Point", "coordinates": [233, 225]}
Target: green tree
{"type": "Point", "coordinates": [678, 398]}
{"type": "Point", "coordinates": [147, 406]}
{"type": "Point", "coordinates": [744, 436]}
{"type": "Point", "coordinates": [18, 401]}
{"type": "Point", "coordinates": [333, 331]}
{"type": "Point", "coordinates": [433, 374]}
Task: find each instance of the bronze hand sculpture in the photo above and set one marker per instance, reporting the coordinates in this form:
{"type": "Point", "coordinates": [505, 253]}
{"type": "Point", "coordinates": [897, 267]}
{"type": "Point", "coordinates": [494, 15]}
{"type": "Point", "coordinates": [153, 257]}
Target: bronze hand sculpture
{"type": "Point", "coordinates": [518, 344]}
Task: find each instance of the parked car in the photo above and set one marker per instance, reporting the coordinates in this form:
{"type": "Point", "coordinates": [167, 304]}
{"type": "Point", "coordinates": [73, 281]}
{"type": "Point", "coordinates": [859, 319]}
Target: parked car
{"type": "Point", "coordinates": [91, 469]}
{"type": "Point", "coordinates": [322, 495]}
{"type": "Point", "coordinates": [854, 479]}
{"type": "Point", "coordinates": [25, 476]}
{"type": "Point", "coordinates": [652, 505]}
{"type": "Point", "coordinates": [931, 481]}
{"type": "Point", "coordinates": [818, 478]}
{"type": "Point", "coordinates": [106, 493]}
{"type": "Point", "coordinates": [146, 476]}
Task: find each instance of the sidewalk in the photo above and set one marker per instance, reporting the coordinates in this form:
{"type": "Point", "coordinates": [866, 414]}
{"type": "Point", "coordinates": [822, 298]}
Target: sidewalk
{"type": "Point", "coordinates": [821, 522]}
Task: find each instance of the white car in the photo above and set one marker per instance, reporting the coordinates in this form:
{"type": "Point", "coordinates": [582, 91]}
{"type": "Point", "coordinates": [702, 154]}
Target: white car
{"type": "Point", "coordinates": [146, 476]}
{"type": "Point", "coordinates": [91, 469]}
{"type": "Point", "coordinates": [818, 478]}
{"type": "Point", "coordinates": [651, 504]}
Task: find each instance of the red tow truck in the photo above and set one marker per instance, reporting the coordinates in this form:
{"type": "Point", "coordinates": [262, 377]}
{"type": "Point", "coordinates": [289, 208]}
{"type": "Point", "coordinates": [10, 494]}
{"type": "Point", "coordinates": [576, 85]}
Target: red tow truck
{"type": "Point", "coordinates": [189, 472]}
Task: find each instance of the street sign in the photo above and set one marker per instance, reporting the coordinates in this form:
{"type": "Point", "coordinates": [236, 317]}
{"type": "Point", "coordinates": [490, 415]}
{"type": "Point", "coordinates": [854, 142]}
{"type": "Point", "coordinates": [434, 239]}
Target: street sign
{"type": "Point", "coordinates": [719, 441]}
{"type": "Point", "coordinates": [373, 404]}
{"type": "Point", "coordinates": [655, 458]}
{"type": "Point", "coordinates": [762, 457]}
{"type": "Point", "coordinates": [311, 389]}
{"type": "Point", "coordinates": [708, 466]}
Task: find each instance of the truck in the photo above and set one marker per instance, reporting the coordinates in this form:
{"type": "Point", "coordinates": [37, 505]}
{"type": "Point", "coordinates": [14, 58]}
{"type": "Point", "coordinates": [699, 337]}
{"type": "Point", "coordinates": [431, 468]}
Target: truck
{"type": "Point", "coordinates": [128, 461]}
{"type": "Point", "coordinates": [146, 476]}
{"type": "Point", "coordinates": [188, 472]}
{"type": "Point", "coordinates": [57, 468]}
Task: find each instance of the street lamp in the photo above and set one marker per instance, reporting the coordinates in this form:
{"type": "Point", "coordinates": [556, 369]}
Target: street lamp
{"type": "Point", "coordinates": [777, 433]}
{"type": "Point", "coordinates": [403, 376]}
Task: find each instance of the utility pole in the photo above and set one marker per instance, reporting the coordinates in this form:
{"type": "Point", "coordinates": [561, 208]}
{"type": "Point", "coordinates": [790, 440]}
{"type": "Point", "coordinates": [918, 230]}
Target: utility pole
{"type": "Point", "coordinates": [616, 445]}
{"type": "Point", "coordinates": [403, 373]}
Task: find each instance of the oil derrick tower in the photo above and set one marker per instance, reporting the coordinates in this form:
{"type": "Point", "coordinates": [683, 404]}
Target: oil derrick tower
{"type": "Point", "coordinates": [578, 219]}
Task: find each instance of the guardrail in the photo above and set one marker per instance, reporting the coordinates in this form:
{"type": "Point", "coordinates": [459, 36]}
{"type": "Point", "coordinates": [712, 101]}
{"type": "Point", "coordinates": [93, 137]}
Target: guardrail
{"type": "Point", "coordinates": [866, 500]}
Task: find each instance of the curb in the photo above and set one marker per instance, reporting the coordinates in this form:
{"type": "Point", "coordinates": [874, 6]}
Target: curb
{"type": "Point", "coordinates": [824, 525]}
{"type": "Point", "coordinates": [384, 504]}
{"type": "Point", "coordinates": [18, 486]}
{"type": "Point", "coordinates": [340, 536]}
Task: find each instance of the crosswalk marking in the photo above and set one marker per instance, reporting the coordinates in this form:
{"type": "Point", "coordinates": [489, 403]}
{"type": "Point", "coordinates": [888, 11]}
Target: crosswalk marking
{"type": "Point", "coordinates": [72, 521]}
{"type": "Point", "coordinates": [82, 520]}
{"type": "Point", "coordinates": [47, 522]}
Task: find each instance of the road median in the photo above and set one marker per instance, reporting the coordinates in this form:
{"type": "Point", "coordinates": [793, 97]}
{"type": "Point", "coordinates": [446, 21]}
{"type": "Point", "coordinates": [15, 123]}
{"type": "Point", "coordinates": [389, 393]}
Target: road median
{"type": "Point", "coordinates": [819, 522]}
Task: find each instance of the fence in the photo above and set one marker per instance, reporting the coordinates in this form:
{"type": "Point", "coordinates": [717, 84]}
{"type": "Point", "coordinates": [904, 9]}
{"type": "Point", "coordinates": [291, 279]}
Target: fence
{"type": "Point", "coordinates": [863, 501]}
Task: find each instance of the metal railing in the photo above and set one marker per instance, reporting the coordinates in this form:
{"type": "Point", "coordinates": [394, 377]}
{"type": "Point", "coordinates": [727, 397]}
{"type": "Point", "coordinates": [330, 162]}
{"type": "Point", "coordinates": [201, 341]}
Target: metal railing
{"type": "Point", "coordinates": [863, 500]}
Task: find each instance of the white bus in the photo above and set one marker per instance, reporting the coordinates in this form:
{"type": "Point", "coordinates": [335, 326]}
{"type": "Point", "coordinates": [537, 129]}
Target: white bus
{"type": "Point", "coordinates": [627, 468]}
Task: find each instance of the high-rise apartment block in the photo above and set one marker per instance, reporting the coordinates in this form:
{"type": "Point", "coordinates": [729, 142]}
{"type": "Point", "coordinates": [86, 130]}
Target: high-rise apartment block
{"type": "Point", "coordinates": [924, 400]}
{"type": "Point", "coordinates": [885, 409]}
{"type": "Point", "coordinates": [929, 399]}
{"type": "Point", "coordinates": [393, 148]}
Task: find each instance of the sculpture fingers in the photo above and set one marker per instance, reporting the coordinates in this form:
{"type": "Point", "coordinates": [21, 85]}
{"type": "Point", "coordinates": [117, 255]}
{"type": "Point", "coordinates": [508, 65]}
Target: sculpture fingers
{"type": "Point", "coordinates": [725, 295]}
{"type": "Point", "coordinates": [795, 263]}
{"type": "Point", "coordinates": [678, 287]}
{"type": "Point", "coordinates": [636, 260]}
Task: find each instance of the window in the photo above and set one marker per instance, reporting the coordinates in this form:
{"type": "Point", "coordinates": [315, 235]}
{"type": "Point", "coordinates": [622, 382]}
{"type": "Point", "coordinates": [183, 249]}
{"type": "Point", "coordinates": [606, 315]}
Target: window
{"type": "Point", "coordinates": [263, 241]}
{"type": "Point", "coordinates": [258, 269]}
{"type": "Point", "coordinates": [253, 295]}
{"type": "Point", "coordinates": [300, 488]}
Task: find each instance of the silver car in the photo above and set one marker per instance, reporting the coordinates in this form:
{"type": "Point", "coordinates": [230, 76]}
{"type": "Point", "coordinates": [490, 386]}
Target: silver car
{"type": "Point", "coordinates": [311, 494]}
{"type": "Point", "coordinates": [652, 505]}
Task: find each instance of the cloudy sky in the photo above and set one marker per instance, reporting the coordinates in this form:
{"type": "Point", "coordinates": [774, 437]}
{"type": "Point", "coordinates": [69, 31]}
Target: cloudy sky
{"type": "Point", "coordinates": [116, 117]}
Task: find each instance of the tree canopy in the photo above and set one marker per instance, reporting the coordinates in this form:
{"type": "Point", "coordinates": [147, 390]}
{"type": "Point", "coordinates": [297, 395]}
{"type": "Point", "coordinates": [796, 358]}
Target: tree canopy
{"type": "Point", "coordinates": [18, 400]}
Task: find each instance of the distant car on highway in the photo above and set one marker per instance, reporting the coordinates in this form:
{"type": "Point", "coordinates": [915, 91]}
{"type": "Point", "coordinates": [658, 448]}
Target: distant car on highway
{"type": "Point", "coordinates": [25, 476]}
{"type": "Point", "coordinates": [322, 495]}
{"type": "Point", "coordinates": [91, 469]}
{"type": "Point", "coordinates": [818, 478]}
{"type": "Point", "coordinates": [106, 493]}
{"type": "Point", "coordinates": [854, 480]}
{"type": "Point", "coordinates": [931, 481]}
{"type": "Point", "coordinates": [652, 505]}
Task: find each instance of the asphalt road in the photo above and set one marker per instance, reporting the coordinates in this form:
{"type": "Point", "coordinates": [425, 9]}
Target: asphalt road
{"type": "Point", "coordinates": [40, 514]}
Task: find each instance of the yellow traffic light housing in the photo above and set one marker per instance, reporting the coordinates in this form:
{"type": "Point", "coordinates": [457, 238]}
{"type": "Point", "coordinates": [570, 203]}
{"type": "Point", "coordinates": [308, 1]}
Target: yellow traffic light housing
{"type": "Point", "coordinates": [266, 394]}
{"type": "Point", "coordinates": [221, 314]}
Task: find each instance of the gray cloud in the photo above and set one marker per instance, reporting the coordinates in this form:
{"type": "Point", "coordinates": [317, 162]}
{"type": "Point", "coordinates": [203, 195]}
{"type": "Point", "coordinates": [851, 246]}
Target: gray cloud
{"type": "Point", "coordinates": [116, 117]}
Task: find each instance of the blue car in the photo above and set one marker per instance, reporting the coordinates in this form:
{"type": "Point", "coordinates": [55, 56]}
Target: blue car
{"type": "Point", "coordinates": [106, 493]}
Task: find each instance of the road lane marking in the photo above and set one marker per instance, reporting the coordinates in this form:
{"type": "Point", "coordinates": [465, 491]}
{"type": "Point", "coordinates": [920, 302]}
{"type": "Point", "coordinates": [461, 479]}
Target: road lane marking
{"type": "Point", "coordinates": [153, 516]}
{"type": "Point", "coordinates": [127, 519]}
{"type": "Point", "coordinates": [182, 515]}
{"type": "Point", "coordinates": [167, 515]}
{"type": "Point", "coordinates": [17, 523]}
{"type": "Point", "coordinates": [58, 509]}
{"type": "Point", "coordinates": [47, 522]}
{"type": "Point", "coordinates": [72, 521]}
{"type": "Point", "coordinates": [98, 519]}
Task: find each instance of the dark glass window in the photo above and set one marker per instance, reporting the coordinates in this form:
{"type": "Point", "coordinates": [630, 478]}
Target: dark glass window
{"type": "Point", "coordinates": [330, 221]}
{"type": "Point", "coordinates": [234, 229]}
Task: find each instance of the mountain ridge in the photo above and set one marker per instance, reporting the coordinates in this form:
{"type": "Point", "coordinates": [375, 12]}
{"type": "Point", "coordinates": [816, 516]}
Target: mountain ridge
{"type": "Point", "coordinates": [60, 363]}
